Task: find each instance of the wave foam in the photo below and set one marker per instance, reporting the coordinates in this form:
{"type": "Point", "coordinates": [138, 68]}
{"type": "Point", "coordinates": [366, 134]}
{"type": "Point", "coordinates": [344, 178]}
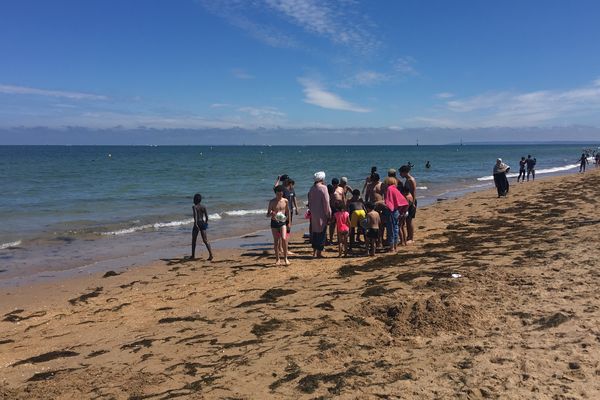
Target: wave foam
{"type": "Point", "coordinates": [422, 187]}
{"type": "Point", "coordinates": [4, 246]}
{"type": "Point", "coordinates": [537, 172]}
{"type": "Point", "coordinates": [236, 213]}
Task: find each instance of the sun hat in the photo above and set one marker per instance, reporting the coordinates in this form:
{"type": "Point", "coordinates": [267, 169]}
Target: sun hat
{"type": "Point", "coordinates": [319, 176]}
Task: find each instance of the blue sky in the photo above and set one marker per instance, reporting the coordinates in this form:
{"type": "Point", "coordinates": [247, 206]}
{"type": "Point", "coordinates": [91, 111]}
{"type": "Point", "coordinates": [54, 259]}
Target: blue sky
{"type": "Point", "coordinates": [299, 64]}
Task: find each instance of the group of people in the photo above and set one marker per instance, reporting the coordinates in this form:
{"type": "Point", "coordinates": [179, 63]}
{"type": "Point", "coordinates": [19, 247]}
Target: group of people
{"type": "Point", "coordinates": [386, 211]}
{"type": "Point", "coordinates": [526, 165]}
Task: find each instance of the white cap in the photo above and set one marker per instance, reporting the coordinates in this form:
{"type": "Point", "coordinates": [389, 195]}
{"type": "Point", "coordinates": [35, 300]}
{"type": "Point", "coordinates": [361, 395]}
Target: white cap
{"type": "Point", "coordinates": [319, 176]}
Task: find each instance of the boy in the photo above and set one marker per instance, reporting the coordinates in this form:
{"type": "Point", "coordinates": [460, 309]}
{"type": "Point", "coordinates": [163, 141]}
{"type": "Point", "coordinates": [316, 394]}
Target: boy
{"type": "Point", "coordinates": [200, 226]}
{"type": "Point", "coordinates": [356, 209]}
{"type": "Point", "coordinates": [277, 207]}
{"type": "Point", "coordinates": [372, 233]}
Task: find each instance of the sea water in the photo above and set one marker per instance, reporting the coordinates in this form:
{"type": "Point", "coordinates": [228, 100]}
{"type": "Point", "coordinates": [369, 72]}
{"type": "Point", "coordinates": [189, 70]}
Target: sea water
{"type": "Point", "coordinates": [65, 207]}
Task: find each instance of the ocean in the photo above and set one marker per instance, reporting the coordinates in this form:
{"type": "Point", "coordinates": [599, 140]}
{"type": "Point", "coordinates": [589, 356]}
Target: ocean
{"type": "Point", "coordinates": [68, 208]}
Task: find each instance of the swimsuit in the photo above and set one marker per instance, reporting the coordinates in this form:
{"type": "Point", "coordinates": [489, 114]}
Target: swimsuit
{"type": "Point", "coordinates": [276, 224]}
{"type": "Point", "coordinates": [372, 233]}
{"type": "Point", "coordinates": [340, 219]}
{"type": "Point", "coordinates": [356, 217]}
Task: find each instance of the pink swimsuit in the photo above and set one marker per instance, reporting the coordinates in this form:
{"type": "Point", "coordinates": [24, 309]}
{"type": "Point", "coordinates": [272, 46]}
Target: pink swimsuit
{"type": "Point", "coordinates": [341, 219]}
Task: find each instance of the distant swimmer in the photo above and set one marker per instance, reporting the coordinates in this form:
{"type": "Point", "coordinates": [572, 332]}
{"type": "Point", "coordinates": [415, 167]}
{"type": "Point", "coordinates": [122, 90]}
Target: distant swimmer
{"type": "Point", "coordinates": [200, 225]}
{"type": "Point", "coordinates": [531, 167]}
{"type": "Point", "coordinates": [427, 165]}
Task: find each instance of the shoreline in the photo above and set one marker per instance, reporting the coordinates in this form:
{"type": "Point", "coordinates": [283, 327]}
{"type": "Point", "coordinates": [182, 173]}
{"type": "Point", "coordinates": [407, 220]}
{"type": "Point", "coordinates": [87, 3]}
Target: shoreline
{"type": "Point", "coordinates": [519, 321]}
{"type": "Point", "coordinates": [170, 246]}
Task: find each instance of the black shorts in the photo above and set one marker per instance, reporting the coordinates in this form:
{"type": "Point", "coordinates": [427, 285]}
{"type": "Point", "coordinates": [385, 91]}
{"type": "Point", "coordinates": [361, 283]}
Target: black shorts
{"type": "Point", "coordinates": [372, 233]}
{"type": "Point", "coordinates": [276, 224]}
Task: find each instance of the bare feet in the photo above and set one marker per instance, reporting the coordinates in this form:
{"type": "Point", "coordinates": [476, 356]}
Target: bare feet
{"type": "Point", "coordinates": [210, 258]}
{"type": "Point", "coordinates": [287, 262]}
{"type": "Point", "coordinates": [278, 262]}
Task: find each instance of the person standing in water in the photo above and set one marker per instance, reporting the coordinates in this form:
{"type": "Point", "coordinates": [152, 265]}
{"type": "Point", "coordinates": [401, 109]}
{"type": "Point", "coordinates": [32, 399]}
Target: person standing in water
{"type": "Point", "coordinates": [279, 212]}
{"type": "Point", "coordinates": [522, 165]}
{"type": "Point", "coordinates": [200, 225]}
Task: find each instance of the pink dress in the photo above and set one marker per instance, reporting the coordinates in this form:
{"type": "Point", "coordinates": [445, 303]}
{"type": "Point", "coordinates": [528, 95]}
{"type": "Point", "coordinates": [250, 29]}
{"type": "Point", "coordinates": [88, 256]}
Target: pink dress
{"type": "Point", "coordinates": [341, 221]}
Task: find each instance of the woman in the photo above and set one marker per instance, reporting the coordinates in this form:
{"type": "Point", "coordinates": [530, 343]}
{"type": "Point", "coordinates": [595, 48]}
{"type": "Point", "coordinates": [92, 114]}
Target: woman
{"type": "Point", "coordinates": [320, 213]}
{"type": "Point", "coordinates": [500, 179]}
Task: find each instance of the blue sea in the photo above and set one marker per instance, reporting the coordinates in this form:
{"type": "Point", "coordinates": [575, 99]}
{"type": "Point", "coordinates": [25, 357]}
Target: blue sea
{"type": "Point", "coordinates": [72, 207]}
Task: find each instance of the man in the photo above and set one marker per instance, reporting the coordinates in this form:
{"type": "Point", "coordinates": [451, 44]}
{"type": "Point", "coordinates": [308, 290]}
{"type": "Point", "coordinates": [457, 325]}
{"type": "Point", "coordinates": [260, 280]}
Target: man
{"type": "Point", "coordinates": [530, 167]}
{"type": "Point", "coordinates": [278, 207]}
{"type": "Point", "coordinates": [583, 162]}
{"type": "Point", "coordinates": [290, 194]}
{"type": "Point", "coordinates": [200, 226]}
{"type": "Point", "coordinates": [341, 192]}
{"type": "Point", "coordinates": [374, 193]}
{"type": "Point", "coordinates": [411, 184]}
{"type": "Point", "coordinates": [320, 214]}
{"type": "Point", "coordinates": [335, 195]}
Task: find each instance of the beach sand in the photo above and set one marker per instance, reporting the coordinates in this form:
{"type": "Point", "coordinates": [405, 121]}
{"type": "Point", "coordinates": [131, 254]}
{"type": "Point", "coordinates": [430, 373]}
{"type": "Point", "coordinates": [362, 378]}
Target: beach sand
{"type": "Point", "coordinates": [521, 321]}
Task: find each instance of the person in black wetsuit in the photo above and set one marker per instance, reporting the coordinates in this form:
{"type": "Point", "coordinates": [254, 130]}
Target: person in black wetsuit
{"type": "Point", "coordinates": [200, 225]}
{"type": "Point", "coordinates": [522, 165]}
{"type": "Point", "coordinates": [583, 162]}
{"type": "Point", "coordinates": [500, 179]}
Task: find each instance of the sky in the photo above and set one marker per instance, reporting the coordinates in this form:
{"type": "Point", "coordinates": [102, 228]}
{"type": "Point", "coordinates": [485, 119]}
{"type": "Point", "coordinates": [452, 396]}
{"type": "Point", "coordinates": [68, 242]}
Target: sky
{"type": "Point", "coordinates": [298, 65]}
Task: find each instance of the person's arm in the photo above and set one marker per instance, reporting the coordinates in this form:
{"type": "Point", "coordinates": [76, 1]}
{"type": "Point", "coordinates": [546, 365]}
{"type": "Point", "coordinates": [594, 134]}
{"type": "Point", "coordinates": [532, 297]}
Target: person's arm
{"type": "Point", "coordinates": [269, 212]}
{"type": "Point", "coordinates": [287, 213]}
{"type": "Point", "coordinates": [295, 205]}
{"type": "Point", "coordinates": [365, 185]}
{"type": "Point", "coordinates": [326, 205]}
{"type": "Point", "coordinates": [204, 215]}
{"type": "Point", "coordinates": [277, 181]}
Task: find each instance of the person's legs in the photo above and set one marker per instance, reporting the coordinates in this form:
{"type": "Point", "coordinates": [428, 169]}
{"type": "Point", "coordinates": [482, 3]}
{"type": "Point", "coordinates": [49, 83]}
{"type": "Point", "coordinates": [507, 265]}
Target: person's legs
{"type": "Point", "coordinates": [401, 225]}
{"type": "Point", "coordinates": [533, 174]}
{"type": "Point", "coordinates": [276, 237]}
{"type": "Point", "coordinates": [205, 240]}
{"type": "Point", "coordinates": [283, 235]}
{"type": "Point", "coordinates": [395, 215]}
{"type": "Point", "coordinates": [344, 240]}
{"type": "Point", "coordinates": [195, 232]}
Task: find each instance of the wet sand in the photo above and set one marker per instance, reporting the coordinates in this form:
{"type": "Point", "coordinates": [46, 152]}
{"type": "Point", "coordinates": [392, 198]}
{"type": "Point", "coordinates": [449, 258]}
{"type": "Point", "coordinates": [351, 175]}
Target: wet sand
{"type": "Point", "coordinates": [521, 321]}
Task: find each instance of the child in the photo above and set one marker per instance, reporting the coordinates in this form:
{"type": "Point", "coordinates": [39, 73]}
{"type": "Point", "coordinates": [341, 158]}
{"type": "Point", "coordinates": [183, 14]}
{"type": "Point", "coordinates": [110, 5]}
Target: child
{"type": "Point", "coordinates": [279, 212]}
{"type": "Point", "coordinates": [342, 222]}
{"type": "Point", "coordinates": [372, 233]}
{"type": "Point", "coordinates": [200, 226]}
{"type": "Point", "coordinates": [356, 209]}
{"type": "Point", "coordinates": [402, 219]}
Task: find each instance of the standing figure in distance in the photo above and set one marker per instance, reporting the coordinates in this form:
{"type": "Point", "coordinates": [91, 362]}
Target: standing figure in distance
{"type": "Point", "coordinates": [200, 225]}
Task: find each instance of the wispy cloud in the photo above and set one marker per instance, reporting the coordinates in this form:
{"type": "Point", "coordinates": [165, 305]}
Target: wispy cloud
{"type": "Point", "coordinates": [444, 95]}
{"type": "Point", "coordinates": [261, 112]}
{"type": "Point", "coordinates": [339, 22]}
{"type": "Point", "coordinates": [240, 73]}
{"type": "Point", "coordinates": [315, 94]}
{"type": "Point", "coordinates": [364, 78]}
{"type": "Point", "coordinates": [220, 105]}
{"type": "Point", "coordinates": [513, 109]}
{"type": "Point", "coordinates": [23, 90]}
{"type": "Point", "coordinates": [405, 66]}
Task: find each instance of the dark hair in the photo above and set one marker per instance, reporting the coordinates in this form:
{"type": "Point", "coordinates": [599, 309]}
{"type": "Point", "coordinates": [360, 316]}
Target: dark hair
{"type": "Point", "coordinates": [291, 182]}
{"type": "Point", "coordinates": [278, 188]}
{"type": "Point", "coordinates": [339, 205]}
{"type": "Point", "coordinates": [375, 177]}
{"type": "Point", "coordinates": [373, 170]}
{"type": "Point", "coordinates": [330, 189]}
{"type": "Point", "coordinates": [522, 158]}
{"type": "Point", "coordinates": [197, 198]}
{"type": "Point", "coordinates": [356, 192]}
{"type": "Point", "coordinates": [369, 205]}
{"type": "Point", "coordinates": [404, 169]}
{"type": "Point", "coordinates": [335, 181]}
{"type": "Point", "coordinates": [528, 155]}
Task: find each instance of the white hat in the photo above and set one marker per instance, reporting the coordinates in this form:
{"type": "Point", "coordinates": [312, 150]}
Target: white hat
{"type": "Point", "coordinates": [319, 176]}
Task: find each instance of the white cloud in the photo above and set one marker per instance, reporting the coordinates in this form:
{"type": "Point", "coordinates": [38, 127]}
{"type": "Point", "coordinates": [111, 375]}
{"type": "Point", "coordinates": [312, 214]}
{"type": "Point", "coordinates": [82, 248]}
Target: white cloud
{"type": "Point", "coordinates": [316, 95]}
{"type": "Point", "coordinates": [239, 73]}
{"type": "Point", "coordinates": [405, 66]}
{"type": "Point", "coordinates": [444, 95]}
{"type": "Point", "coordinates": [260, 112]}
{"type": "Point", "coordinates": [513, 109]}
{"type": "Point", "coordinates": [337, 21]}
{"type": "Point", "coordinates": [10, 89]}
{"type": "Point", "coordinates": [220, 105]}
{"type": "Point", "coordinates": [364, 78]}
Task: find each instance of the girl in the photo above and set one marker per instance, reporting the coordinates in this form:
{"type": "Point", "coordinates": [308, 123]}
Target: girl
{"type": "Point", "coordinates": [342, 222]}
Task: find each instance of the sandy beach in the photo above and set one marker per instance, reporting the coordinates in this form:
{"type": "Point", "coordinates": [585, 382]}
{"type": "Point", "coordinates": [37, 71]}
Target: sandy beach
{"type": "Point", "coordinates": [498, 298]}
